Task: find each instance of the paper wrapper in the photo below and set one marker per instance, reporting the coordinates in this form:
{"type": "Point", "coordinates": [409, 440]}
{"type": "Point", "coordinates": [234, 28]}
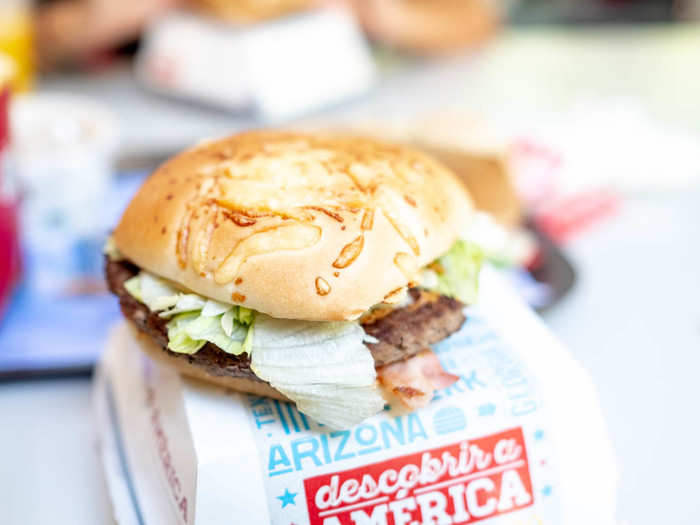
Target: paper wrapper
{"type": "Point", "coordinates": [518, 440]}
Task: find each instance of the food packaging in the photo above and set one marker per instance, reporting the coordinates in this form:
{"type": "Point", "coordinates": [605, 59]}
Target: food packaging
{"type": "Point", "coordinates": [278, 69]}
{"type": "Point", "coordinates": [519, 439]}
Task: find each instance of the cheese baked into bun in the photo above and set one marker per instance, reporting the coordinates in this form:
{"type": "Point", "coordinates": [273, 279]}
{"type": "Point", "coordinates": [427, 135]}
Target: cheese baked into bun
{"type": "Point", "coordinates": [296, 226]}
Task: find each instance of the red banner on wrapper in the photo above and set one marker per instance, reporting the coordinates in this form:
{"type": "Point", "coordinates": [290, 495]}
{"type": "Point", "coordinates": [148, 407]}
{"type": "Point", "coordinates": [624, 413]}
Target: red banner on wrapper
{"type": "Point", "coordinates": [463, 482]}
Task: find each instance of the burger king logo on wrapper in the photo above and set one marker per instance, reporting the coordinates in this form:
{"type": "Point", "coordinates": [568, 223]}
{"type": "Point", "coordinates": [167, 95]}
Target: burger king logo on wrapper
{"type": "Point", "coordinates": [463, 482]}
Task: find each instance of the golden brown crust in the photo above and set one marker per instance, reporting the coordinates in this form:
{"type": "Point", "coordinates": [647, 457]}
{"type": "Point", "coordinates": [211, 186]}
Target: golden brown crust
{"type": "Point", "coordinates": [317, 227]}
{"type": "Point", "coordinates": [239, 384]}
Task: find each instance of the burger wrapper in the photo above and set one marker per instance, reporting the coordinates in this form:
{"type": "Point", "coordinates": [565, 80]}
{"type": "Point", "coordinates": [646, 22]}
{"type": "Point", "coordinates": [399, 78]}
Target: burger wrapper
{"type": "Point", "coordinates": [518, 440]}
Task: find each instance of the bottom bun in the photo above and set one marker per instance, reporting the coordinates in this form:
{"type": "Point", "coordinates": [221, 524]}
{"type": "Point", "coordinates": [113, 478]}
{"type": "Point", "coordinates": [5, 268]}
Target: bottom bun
{"type": "Point", "coordinates": [239, 384]}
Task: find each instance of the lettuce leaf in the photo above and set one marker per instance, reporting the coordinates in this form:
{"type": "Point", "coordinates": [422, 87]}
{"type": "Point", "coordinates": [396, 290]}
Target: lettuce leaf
{"type": "Point", "coordinates": [194, 320]}
{"type": "Point", "coordinates": [178, 339]}
{"type": "Point", "coordinates": [324, 367]}
{"type": "Point", "coordinates": [228, 321]}
{"type": "Point", "coordinates": [245, 315]}
{"type": "Point", "coordinates": [456, 273]}
{"type": "Point", "coordinates": [248, 341]}
{"type": "Point", "coordinates": [212, 308]}
{"type": "Point", "coordinates": [208, 328]}
{"type": "Point", "coordinates": [189, 302]}
{"type": "Point", "coordinates": [156, 293]}
{"type": "Point", "coordinates": [133, 286]}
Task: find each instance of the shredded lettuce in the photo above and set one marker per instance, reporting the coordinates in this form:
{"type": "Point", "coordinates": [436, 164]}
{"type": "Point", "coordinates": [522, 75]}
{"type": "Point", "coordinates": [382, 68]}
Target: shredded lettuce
{"type": "Point", "coordinates": [200, 329]}
{"type": "Point", "coordinates": [248, 341]}
{"type": "Point", "coordinates": [189, 302]}
{"type": "Point", "coordinates": [228, 321]}
{"type": "Point", "coordinates": [456, 273]}
{"type": "Point", "coordinates": [178, 339]}
{"type": "Point", "coordinates": [324, 367]}
{"type": "Point", "coordinates": [194, 320]}
{"type": "Point", "coordinates": [133, 286]}
{"type": "Point", "coordinates": [213, 308]}
{"type": "Point", "coordinates": [245, 315]}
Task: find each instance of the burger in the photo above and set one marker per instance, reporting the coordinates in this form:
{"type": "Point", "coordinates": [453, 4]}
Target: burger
{"type": "Point", "coordinates": [314, 268]}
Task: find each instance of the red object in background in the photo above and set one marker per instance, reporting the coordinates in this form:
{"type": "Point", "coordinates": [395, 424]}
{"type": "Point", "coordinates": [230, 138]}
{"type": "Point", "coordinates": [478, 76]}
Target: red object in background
{"type": "Point", "coordinates": [9, 251]}
{"type": "Point", "coordinates": [9, 228]}
{"type": "Point", "coordinates": [567, 216]}
{"type": "Point", "coordinates": [558, 214]}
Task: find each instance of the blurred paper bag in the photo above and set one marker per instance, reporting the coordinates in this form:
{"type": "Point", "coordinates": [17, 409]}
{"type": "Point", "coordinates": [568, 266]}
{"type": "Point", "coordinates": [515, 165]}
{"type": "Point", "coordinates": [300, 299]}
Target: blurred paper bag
{"type": "Point", "coordinates": [518, 439]}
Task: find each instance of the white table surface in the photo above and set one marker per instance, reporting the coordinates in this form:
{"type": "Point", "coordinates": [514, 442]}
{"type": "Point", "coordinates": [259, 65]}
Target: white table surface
{"type": "Point", "coordinates": [633, 321]}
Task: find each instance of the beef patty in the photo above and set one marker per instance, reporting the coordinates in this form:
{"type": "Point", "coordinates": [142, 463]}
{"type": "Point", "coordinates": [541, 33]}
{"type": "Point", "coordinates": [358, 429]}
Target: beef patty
{"type": "Point", "coordinates": [401, 331]}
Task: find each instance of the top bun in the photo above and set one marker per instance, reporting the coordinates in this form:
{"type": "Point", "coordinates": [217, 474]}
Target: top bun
{"type": "Point", "coordinates": [299, 226]}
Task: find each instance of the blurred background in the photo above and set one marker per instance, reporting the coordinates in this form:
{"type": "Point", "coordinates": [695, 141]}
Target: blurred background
{"type": "Point", "coordinates": [574, 123]}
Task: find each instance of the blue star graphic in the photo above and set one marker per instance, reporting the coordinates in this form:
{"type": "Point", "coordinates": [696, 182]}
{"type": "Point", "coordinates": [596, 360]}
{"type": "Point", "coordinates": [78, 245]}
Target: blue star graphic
{"type": "Point", "coordinates": [287, 498]}
{"type": "Point", "coordinates": [546, 490]}
{"type": "Point", "coordinates": [539, 435]}
{"type": "Point", "coordinates": [487, 410]}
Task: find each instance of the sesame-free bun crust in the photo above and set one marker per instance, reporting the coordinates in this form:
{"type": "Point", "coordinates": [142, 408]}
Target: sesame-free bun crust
{"type": "Point", "coordinates": [300, 226]}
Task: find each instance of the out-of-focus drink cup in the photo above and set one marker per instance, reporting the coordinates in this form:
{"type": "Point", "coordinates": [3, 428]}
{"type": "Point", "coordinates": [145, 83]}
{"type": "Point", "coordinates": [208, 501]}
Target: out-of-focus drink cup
{"type": "Point", "coordinates": [9, 243]}
{"type": "Point", "coordinates": [62, 150]}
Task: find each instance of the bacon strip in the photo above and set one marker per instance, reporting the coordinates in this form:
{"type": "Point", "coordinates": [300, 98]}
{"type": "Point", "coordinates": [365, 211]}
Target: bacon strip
{"type": "Point", "coordinates": [414, 380]}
